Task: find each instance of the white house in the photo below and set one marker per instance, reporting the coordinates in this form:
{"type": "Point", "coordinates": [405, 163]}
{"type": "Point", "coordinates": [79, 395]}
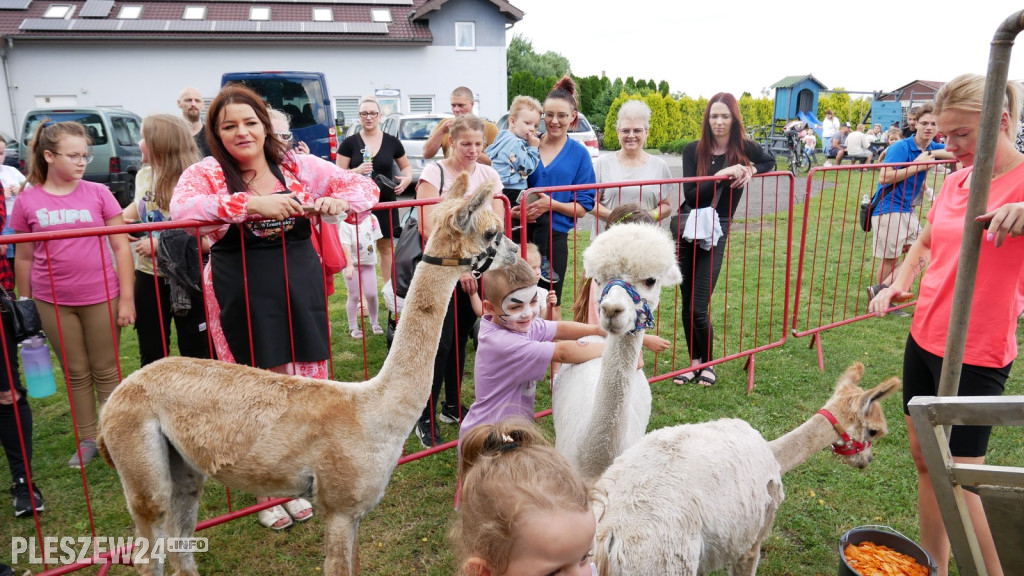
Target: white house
{"type": "Point", "coordinates": [138, 55]}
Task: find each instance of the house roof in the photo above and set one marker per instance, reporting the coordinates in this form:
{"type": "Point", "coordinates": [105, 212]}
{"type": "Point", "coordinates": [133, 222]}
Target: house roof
{"type": "Point", "coordinates": [228, 21]}
{"type": "Point", "coordinates": [914, 86]}
{"type": "Point", "coordinates": [790, 81]}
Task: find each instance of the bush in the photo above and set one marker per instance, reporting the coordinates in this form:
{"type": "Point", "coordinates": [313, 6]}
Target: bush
{"type": "Point", "coordinates": [675, 146]}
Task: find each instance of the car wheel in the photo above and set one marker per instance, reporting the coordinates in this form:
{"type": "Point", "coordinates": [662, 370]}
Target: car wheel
{"type": "Point", "coordinates": [128, 195]}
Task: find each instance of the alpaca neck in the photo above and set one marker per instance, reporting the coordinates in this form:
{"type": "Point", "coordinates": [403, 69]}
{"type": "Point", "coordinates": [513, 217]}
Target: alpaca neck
{"type": "Point", "coordinates": [604, 437]}
{"type": "Point", "coordinates": [403, 383]}
{"type": "Point", "coordinates": [795, 447]}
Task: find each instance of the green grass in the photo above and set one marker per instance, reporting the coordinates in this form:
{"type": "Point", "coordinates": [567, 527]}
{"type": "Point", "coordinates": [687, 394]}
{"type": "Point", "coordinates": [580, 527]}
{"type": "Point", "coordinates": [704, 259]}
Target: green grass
{"type": "Point", "coordinates": [406, 533]}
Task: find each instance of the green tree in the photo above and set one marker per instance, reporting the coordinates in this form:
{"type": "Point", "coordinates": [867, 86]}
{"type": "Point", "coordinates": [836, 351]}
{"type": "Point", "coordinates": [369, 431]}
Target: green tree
{"type": "Point", "coordinates": [630, 85]}
{"type": "Point", "coordinates": [521, 58]}
{"type": "Point", "coordinates": [663, 88]}
{"type": "Point", "coordinates": [659, 131]}
{"type": "Point", "coordinates": [611, 139]}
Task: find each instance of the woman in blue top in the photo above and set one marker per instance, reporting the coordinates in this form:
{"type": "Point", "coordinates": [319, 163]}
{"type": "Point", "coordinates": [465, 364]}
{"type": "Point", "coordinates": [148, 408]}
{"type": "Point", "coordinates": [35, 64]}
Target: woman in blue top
{"type": "Point", "coordinates": [563, 162]}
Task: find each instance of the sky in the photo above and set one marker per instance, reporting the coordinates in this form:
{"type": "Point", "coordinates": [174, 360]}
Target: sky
{"type": "Point", "coordinates": [705, 47]}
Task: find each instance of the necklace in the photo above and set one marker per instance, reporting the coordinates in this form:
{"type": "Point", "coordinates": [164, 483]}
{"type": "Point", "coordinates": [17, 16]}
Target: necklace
{"type": "Point", "coordinates": [1010, 166]}
{"type": "Point", "coordinates": [258, 176]}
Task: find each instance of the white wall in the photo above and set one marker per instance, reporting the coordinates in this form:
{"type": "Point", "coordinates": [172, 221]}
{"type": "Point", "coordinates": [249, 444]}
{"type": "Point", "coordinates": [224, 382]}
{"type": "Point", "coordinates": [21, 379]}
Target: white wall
{"type": "Point", "coordinates": [146, 79]}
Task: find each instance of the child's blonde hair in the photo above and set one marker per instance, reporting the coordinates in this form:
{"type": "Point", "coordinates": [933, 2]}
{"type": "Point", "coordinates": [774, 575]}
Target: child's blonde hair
{"type": "Point", "coordinates": [532, 251]}
{"type": "Point", "coordinates": [497, 283]}
{"type": "Point", "coordinates": [508, 470]}
{"type": "Point", "coordinates": [520, 103]}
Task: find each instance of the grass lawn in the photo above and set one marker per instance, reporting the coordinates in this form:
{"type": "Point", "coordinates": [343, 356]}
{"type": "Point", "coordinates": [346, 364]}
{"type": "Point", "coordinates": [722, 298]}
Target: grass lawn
{"type": "Point", "coordinates": [406, 533]}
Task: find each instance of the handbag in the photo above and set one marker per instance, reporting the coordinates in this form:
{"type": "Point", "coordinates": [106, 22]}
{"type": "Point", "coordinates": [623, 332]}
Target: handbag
{"type": "Point", "coordinates": [409, 251]}
{"type": "Point", "coordinates": [868, 207]}
{"type": "Point", "coordinates": [24, 315]}
{"type": "Point", "coordinates": [332, 254]}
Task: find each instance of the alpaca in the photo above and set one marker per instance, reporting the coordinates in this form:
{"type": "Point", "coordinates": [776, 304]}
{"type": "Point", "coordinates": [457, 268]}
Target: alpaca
{"type": "Point", "coordinates": [696, 498]}
{"type": "Point", "coordinates": [172, 424]}
{"type": "Point", "coordinates": [602, 407]}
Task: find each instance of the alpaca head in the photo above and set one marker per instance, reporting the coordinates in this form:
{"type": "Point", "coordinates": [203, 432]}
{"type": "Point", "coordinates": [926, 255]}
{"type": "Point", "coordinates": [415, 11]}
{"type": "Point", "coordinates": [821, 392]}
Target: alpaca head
{"type": "Point", "coordinates": [643, 258]}
{"type": "Point", "coordinates": [858, 412]}
{"type": "Point", "coordinates": [466, 229]}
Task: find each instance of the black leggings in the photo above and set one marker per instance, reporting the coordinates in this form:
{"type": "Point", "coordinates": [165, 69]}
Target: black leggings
{"type": "Point", "coordinates": [700, 270]}
{"type": "Point", "coordinates": [921, 372]}
{"type": "Point", "coordinates": [16, 461]}
{"type": "Point", "coordinates": [153, 322]}
{"type": "Point", "coordinates": [450, 362]}
{"type": "Point", "coordinates": [557, 250]}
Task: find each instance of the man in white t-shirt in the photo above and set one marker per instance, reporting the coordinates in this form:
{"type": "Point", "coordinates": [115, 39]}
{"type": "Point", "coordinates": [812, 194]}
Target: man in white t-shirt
{"type": "Point", "coordinates": [858, 146]}
{"type": "Point", "coordinates": [829, 126]}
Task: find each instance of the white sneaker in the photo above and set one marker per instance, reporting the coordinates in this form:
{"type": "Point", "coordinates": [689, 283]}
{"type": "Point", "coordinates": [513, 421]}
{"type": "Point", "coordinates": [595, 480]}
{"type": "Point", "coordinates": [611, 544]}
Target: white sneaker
{"type": "Point", "coordinates": [827, 163]}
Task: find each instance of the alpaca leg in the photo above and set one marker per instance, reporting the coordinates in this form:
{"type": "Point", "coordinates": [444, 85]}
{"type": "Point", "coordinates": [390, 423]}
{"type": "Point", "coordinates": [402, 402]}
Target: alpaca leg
{"type": "Point", "coordinates": [342, 552]}
{"type": "Point", "coordinates": [746, 565]}
{"type": "Point", "coordinates": [147, 491]}
{"type": "Point", "coordinates": [186, 491]}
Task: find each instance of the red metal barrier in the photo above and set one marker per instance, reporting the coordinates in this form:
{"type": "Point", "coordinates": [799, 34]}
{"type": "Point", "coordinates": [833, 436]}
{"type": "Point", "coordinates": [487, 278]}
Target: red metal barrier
{"type": "Point", "coordinates": [836, 261]}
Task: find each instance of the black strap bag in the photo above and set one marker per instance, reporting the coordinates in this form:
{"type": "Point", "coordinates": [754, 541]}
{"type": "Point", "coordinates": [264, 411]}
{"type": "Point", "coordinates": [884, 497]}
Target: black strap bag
{"type": "Point", "coordinates": [868, 207]}
{"type": "Point", "coordinates": [24, 316]}
{"type": "Point", "coordinates": [409, 250]}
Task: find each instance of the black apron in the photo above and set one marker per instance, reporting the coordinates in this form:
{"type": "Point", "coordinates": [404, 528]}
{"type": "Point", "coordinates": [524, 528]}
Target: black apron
{"type": "Point", "coordinates": [273, 302]}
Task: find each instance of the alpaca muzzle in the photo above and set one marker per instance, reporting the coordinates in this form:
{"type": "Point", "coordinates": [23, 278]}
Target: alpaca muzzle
{"type": "Point", "coordinates": [644, 317]}
{"type": "Point", "coordinates": [845, 446]}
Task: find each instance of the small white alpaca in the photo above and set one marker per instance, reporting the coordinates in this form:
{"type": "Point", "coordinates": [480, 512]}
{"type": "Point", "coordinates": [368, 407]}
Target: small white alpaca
{"type": "Point", "coordinates": [696, 498]}
{"type": "Point", "coordinates": [173, 423]}
{"type": "Point", "coordinates": [601, 407]}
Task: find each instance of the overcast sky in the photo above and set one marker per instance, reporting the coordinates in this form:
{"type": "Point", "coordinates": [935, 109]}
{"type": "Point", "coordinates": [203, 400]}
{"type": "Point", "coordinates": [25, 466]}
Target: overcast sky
{"type": "Point", "coordinates": [704, 47]}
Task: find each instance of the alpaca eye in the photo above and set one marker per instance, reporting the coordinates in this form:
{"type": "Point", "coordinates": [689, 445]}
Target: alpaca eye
{"type": "Point", "coordinates": [650, 282]}
{"type": "Point", "coordinates": [490, 234]}
{"type": "Point", "coordinates": [872, 433]}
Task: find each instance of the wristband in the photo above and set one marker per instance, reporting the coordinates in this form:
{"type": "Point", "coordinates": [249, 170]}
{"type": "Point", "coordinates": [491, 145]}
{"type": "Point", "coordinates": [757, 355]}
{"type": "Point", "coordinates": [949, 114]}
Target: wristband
{"type": "Point", "coordinates": [656, 212]}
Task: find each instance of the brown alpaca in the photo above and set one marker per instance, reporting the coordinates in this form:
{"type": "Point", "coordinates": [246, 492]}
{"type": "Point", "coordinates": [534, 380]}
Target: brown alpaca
{"type": "Point", "coordinates": [174, 423]}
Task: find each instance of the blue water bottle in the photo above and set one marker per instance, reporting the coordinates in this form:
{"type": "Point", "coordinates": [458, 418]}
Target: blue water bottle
{"type": "Point", "coordinates": [367, 158]}
{"type": "Point", "coordinates": [35, 360]}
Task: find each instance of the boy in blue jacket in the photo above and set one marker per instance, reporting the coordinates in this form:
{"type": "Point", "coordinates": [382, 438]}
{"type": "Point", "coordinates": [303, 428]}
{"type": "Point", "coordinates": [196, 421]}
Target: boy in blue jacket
{"type": "Point", "coordinates": [514, 151]}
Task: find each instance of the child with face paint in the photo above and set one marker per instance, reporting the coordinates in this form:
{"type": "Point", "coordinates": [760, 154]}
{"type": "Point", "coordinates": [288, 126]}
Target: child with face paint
{"type": "Point", "coordinates": [516, 346]}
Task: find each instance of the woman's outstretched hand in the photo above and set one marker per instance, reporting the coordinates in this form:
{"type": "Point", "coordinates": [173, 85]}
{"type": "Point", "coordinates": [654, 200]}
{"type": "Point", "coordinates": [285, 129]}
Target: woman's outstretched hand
{"type": "Point", "coordinates": [885, 298]}
{"type": "Point", "coordinates": [1007, 220]}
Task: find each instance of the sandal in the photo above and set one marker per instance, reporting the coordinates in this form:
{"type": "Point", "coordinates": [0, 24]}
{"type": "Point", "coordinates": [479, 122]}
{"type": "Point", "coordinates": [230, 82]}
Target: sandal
{"type": "Point", "coordinates": [272, 517]}
{"type": "Point", "coordinates": [356, 333]}
{"type": "Point", "coordinates": [377, 329]}
{"type": "Point", "coordinates": [300, 509]}
{"type": "Point", "coordinates": [683, 379]}
{"type": "Point", "coordinates": [707, 377]}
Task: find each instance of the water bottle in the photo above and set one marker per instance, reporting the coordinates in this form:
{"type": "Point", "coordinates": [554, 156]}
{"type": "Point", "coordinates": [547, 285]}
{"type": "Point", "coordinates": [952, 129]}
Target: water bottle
{"type": "Point", "coordinates": [35, 360]}
{"type": "Point", "coordinates": [367, 159]}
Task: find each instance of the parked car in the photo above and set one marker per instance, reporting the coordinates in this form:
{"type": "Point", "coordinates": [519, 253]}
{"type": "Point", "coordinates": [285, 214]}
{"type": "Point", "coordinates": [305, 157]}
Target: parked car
{"type": "Point", "coordinates": [114, 134]}
{"type": "Point", "coordinates": [306, 100]}
{"type": "Point", "coordinates": [413, 130]}
{"type": "Point", "coordinates": [11, 155]}
{"type": "Point", "coordinates": [584, 133]}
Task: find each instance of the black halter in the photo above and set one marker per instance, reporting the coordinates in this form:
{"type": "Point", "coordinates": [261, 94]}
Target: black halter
{"type": "Point", "coordinates": [480, 262]}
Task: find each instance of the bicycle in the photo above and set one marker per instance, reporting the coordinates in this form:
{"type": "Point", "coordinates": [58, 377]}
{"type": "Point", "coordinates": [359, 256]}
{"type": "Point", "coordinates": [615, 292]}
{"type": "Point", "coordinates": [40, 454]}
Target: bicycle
{"type": "Point", "coordinates": [795, 156]}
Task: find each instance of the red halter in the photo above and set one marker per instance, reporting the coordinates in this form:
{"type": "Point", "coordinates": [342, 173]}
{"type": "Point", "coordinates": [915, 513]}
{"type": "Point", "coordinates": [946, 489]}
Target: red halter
{"type": "Point", "coordinates": [845, 446]}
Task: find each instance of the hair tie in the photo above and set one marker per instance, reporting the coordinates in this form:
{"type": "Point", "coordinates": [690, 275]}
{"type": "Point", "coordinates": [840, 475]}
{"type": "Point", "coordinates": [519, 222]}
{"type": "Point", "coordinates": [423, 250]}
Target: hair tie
{"type": "Point", "coordinates": [623, 217]}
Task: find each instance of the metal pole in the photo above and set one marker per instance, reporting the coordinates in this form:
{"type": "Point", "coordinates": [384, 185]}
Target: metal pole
{"type": "Point", "coordinates": [977, 203]}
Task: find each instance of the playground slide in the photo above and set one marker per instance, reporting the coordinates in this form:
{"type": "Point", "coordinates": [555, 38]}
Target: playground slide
{"type": "Point", "coordinates": [810, 119]}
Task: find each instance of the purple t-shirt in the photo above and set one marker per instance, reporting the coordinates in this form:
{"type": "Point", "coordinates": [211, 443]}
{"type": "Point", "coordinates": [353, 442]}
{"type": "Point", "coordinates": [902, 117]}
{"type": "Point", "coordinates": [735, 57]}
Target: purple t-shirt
{"type": "Point", "coordinates": [82, 273]}
{"type": "Point", "coordinates": [508, 366]}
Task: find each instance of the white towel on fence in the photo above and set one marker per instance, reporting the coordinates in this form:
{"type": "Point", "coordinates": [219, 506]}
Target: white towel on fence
{"type": "Point", "coordinates": [703, 225]}
{"type": "Point", "coordinates": [389, 299]}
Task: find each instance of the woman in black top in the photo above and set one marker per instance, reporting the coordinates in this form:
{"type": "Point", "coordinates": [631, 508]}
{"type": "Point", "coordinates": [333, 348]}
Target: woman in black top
{"type": "Point", "coordinates": [384, 150]}
{"type": "Point", "coordinates": [723, 150]}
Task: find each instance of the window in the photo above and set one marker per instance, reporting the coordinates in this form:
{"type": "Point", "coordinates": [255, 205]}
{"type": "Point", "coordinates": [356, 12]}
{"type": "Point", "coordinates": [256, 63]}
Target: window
{"type": "Point", "coordinates": [323, 15]}
{"type": "Point", "coordinates": [421, 104]}
{"type": "Point", "coordinates": [57, 11]}
{"type": "Point", "coordinates": [380, 14]}
{"type": "Point", "coordinates": [130, 13]}
{"type": "Point", "coordinates": [259, 13]}
{"type": "Point", "coordinates": [350, 107]}
{"type": "Point", "coordinates": [194, 13]}
{"type": "Point", "coordinates": [465, 35]}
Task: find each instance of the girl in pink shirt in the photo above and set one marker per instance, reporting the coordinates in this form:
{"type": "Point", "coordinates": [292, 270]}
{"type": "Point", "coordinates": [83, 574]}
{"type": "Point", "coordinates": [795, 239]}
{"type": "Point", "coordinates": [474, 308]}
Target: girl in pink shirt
{"type": "Point", "coordinates": [88, 280]}
{"type": "Point", "coordinates": [997, 301]}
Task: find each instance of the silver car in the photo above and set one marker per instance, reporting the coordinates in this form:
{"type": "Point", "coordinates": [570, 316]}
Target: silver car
{"type": "Point", "coordinates": [413, 130]}
{"type": "Point", "coordinates": [584, 133]}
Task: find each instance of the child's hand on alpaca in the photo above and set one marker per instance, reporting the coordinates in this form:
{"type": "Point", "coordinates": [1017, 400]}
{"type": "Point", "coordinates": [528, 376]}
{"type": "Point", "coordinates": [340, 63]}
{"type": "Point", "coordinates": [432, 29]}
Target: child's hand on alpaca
{"type": "Point", "coordinates": [348, 272]}
{"type": "Point", "coordinates": [655, 343]}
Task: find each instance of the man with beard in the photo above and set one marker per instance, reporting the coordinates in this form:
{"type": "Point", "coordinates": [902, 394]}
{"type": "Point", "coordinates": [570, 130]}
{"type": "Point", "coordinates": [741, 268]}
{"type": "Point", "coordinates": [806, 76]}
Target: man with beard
{"type": "Point", "coordinates": [191, 104]}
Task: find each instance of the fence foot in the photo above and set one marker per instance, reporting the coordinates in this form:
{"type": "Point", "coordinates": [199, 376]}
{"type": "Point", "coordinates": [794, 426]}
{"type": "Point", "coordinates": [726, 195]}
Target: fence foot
{"type": "Point", "coordinates": [749, 367]}
{"type": "Point", "coordinates": [816, 344]}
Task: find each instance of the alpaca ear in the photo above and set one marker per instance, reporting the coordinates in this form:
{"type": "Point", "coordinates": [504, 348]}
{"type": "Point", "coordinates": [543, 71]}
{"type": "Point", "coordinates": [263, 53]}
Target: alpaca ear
{"type": "Point", "coordinates": [879, 392]}
{"type": "Point", "coordinates": [471, 206]}
{"type": "Point", "coordinates": [459, 187]}
{"type": "Point", "coordinates": [853, 374]}
{"type": "Point", "coordinates": [672, 276]}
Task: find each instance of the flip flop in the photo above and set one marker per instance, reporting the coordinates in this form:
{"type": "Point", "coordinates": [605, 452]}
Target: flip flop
{"type": "Point", "coordinates": [297, 507]}
{"type": "Point", "coordinates": [683, 379]}
{"type": "Point", "coordinates": [706, 381]}
{"type": "Point", "coordinates": [271, 516]}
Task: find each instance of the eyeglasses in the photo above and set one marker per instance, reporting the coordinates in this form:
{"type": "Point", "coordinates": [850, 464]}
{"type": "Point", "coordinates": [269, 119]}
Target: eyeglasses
{"type": "Point", "coordinates": [285, 137]}
{"type": "Point", "coordinates": [369, 114]}
{"type": "Point", "coordinates": [562, 116]}
{"type": "Point", "coordinates": [77, 158]}
{"type": "Point", "coordinates": [628, 131]}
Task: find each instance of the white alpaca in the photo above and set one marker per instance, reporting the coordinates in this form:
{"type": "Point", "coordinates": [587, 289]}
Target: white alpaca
{"type": "Point", "coordinates": [173, 423]}
{"type": "Point", "coordinates": [601, 407]}
{"type": "Point", "coordinates": [696, 498]}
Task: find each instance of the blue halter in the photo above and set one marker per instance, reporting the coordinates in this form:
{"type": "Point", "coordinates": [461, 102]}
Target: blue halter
{"type": "Point", "coordinates": [644, 318]}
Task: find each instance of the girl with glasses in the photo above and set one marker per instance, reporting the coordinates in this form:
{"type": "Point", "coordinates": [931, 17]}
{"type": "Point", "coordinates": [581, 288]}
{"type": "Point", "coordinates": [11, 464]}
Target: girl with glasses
{"type": "Point", "coordinates": [88, 285]}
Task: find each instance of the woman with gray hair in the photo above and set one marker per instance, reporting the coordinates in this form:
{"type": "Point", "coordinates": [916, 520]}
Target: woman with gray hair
{"type": "Point", "coordinates": [632, 164]}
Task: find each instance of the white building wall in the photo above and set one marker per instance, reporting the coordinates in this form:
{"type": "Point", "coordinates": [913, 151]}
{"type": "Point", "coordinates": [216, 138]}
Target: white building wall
{"type": "Point", "coordinates": [146, 79]}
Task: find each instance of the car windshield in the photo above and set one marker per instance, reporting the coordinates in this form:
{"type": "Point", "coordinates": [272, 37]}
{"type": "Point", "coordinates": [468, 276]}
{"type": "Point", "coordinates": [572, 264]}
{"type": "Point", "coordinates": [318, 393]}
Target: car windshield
{"type": "Point", "coordinates": [581, 126]}
{"type": "Point", "coordinates": [92, 122]}
{"type": "Point", "coordinates": [416, 128]}
{"type": "Point", "coordinates": [302, 100]}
